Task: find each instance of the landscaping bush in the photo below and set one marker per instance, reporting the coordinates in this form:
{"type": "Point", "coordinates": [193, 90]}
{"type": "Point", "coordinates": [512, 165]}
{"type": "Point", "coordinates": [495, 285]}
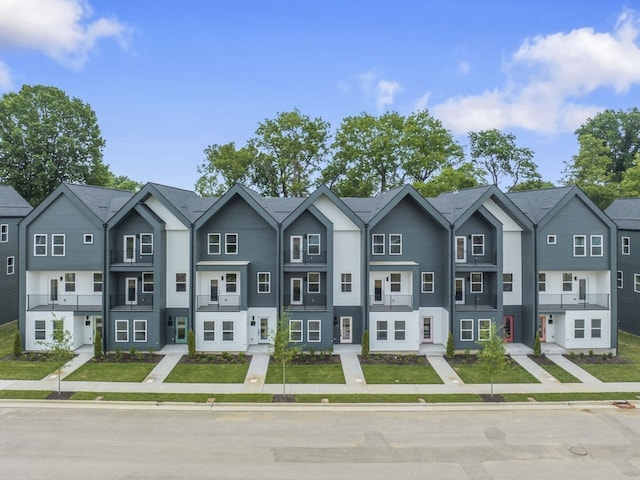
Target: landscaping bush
{"type": "Point", "coordinates": [365, 344]}
{"type": "Point", "coordinates": [450, 348]}
{"type": "Point", "coordinates": [17, 344]}
{"type": "Point", "coordinates": [191, 342]}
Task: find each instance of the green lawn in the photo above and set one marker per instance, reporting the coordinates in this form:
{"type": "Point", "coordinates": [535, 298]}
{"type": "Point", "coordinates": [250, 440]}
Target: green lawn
{"type": "Point", "coordinates": [175, 397]}
{"type": "Point", "coordinates": [7, 332]}
{"type": "Point", "coordinates": [559, 373]}
{"type": "Point", "coordinates": [474, 373]}
{"type": "Point", "coordinates": [111, 372]}
{"type": "Point", "coordinates": [213, 373]}
{"type": "Point", "coordinates": [570, 397]}
{"type": "Point", "coordinates": [390, 374]}
{"type": "Point", "coordinates": [389, 398]}
{"type": "Point", "coordinates": [24, 394]}
{"type": "Point", "coordinates": [629, 350]}
{"type": "Point", "coordinates": [306, 374]}
{"type": "Point", "coordinates": [27, 370]}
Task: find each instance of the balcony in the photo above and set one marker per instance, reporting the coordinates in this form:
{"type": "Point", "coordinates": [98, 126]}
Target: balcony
{"type": "Point", "coordinates": [305, 259]}
{"type": "Point", "coordinates": [477, 301]}
{"type": "Point", "coordinates": [218, 303]}
{"type": "Point", "coordinates": [391, 303]}
{"type": "Point", "coordinates": [572, 301]}
{"type": "Point", "coordinates": [130, 257]}
{"type": "Point", "coordinates": [311, 301]}
{"type": "Point", "coordinates": [141, 302]}
{"type": "Point", "coordinates": [85, 303]}
{"type": "Point", "coordinates": [489, 258]}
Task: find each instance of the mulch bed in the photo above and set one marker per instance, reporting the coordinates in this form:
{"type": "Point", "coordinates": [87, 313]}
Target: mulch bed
{"type": "Point", "coordinates": [128, 358]}
{"type": "Point", "coordinates": [458, 360]}
{"type": "Point", "coordinates": [60, 396]}
{"type": "Point", "coordinates": [488, 398]}
{"type": "Point", "coordinates": [597, 359]}
{"type": "Point", "coordinates": [284, 399]}
{"type": "Point", "coordinates": [215, 359]}
{"type": "Point", "coordinates": [393, 359]}
{"type": "Point", "coordinates": [315, 359]}
{"type": "Point", "coordinates": [29, 357]}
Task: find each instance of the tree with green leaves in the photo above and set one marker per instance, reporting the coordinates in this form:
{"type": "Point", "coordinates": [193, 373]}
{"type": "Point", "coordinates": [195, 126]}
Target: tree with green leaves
{"type": "Point", "coordinates": [47, 138]}
{"type": "Point", "coordinates": [223, 167]}
{"type": "Point", "coordinates": [97, 345]}
{"type": "Point", "coordinates": [59, 346]}
{"type": "Point", "coordinates": [491, 356]}
{"type": "Point", "coordinates": [498, 156]}
{"type": "Point", "coordinates": [282, 350]}
{"type": "Point", "coordinates": [450, 178]}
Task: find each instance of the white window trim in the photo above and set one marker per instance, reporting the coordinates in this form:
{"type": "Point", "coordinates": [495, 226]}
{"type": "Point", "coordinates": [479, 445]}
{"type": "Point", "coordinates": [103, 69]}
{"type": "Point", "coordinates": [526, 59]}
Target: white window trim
{"type": "Point", "coordinates": [137, 330]}
{"type": "Point", "coordinates": [117, 330]}
{"type": "Point", "coordinates": [4, 233]}
{"type": "Point", "coordinates": [295, 327]}
{"type": "Point", "coordinates": [69, 283]}
{"type": "Point", "coordinates": [464, 320]}
{"type": "Point", "coordinates": [584, 328]}
{"type": "Point", "coordinates": [592, 328]}
{"type": "Point", "coordinates": [211, 243]}
{"type": "Point", "coordinates": [391, 244]}
{"type": "Point", "coordinates": [36, 245]}
{"type": "Point", "coordinates": [101, 282]}
{"type": "Point", "coordinates": [463, 258]}
{"type": "Point", "coordinates": [584, 245]}
{"type": "Point", "coordinates": [378, 244]}
{"type": "Point", "coordinates": [87, 239]}
{"type": "Point", "coordinates": [11, 265]}
{"type": "Point", "coordinates": [392, 283]}
{"type": "Point", "coordinates": [233, 282]}
{"type": "Point", "coordinates": [267, 282]}
{"type": "Point", "coordinates": [43, 330]}
{"type": "Point", "coordinates": [504, 282]}
{"type": "Point", "coordinates": [346, 283]}
{"type": "Point", "coordinates": [620, 279]}
{"type": "Point", "coordinates": [424, 283]}
{"type": "Point", "coordinates": [482, 327]}
{"type": "Point", "coordinates": [54, 236]}
{"type": "Point", "coordinates": [397, 330]}
{"type": "Point", "coordinates": [474, 245]}
{"type": "Point", "coordinates": [567, 282]}
{"type": "Point", "coordinates": [626, 245]}
{"type": "Point", "coordinates": [636, 283]}
{"type": "Point", "coordinates": [601, 246]}
{"type": "Point", "coordinates": [226, 330]}
{"type": "Point", "coordinates": [318, 245]}
{"type": "Point", "coordinates": [314, 330]}
{"type": "Point", "coordinates": [205, 330]}
{"type": "Point", "coordinates": [551, 239]}
{"type": "Point", "coordinates": [146, 244]}
{"type": "Point", "coordinates": [144, 283]}
{"type": "Point", "coordinates": [309, 282]}
{"type": "Point", "coordinates": [227, 243]}
{"type": "Point", "coordinates": [386, 330]}
{"type": "Point", "coordinates": [180, 282]}
{"type": "Point", "coordinates": [472, 283]}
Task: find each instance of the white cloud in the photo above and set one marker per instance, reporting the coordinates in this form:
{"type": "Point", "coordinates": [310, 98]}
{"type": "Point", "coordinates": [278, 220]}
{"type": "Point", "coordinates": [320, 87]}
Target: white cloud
{"type": "Point", "coordinates": [464, 68]}
{"type": "Point", "coordinates": [62, 29]}
{"type": "Point", "coordinates": [546, 73]}
{"type": "Point", "coordinates": [422, 102]}
{"type": "Point", "coordinates": [383, 91]}
{"type": "Point", "coordinates": [5, 77]}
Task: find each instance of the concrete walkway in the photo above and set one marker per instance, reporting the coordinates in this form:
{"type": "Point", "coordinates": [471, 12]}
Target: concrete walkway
{"type": "Point", "coordinates": [574, 370]}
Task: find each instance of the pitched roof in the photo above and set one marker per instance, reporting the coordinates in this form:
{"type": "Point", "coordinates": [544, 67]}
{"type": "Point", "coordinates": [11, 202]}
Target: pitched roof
{"type": "Point", "coordinates": [188, 202]}
{"type": "Point", "coordinates": [625, 212]}
{"type": "Point", "coordinates": [104, 202]}
{"type": "Point", "coordinates": [452, 205]}
{"type": "Point", "coordinates": [12, 204]}
{"type": "Point", "coordinates": [535, 204]}
{"type": "Point", "coordinates": [279, 207]}
{"type": "Point", "coordinates": [367, 208]}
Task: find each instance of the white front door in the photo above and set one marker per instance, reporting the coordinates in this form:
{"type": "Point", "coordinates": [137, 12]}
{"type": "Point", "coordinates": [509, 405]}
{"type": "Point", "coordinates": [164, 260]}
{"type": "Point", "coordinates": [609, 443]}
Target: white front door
{"type": "Point", "coordinates": [296, 291]}
{"type": "Point", "coordinates": [346, 332]}
{"type": "Point", "coordinates": [460, 290]}
{"type": "Point", "coordinates": [427, 329]}
{"type": "Point", "coordinates": [129, 248]}
{"type": "Point", "coordinates": [88, 331]}
{"type": "Point", "coordinates": [131, 291]}
{"type": "Point", "coordinates": [264, 330]}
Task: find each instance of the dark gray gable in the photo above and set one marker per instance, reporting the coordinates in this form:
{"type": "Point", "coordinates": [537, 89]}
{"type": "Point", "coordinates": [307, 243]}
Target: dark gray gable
{"type": "Point", "coordinates": [394, 197]}
{"type": "Point", "coordinates": [625, 212]}
{"type": "Point", "coordinates": [12, 204]}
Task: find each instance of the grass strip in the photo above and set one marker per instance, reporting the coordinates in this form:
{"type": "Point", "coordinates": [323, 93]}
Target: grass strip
{"type": "Point", "coordinates": [175, 397]}
{"type": "Point", "coordinates": [404, 374]}
{"type": "Point", "coordinates": [24, 394]}
{"type": "Point", "coordinates": [111, 372]}
{"type": "Point", "coordinates": [570, 397]}
{"type": "Point", "coordinates": [308, 374]}
{"type": "Point", "coordinates": [214, 373]}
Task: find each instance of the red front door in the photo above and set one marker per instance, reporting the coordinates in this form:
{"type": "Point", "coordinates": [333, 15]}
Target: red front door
{"type": "Point", "coordinates": [507, 328]}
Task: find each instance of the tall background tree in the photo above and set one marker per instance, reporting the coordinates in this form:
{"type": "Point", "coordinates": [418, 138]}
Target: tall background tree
{"type": "Point", "coordinates": [47, 138]}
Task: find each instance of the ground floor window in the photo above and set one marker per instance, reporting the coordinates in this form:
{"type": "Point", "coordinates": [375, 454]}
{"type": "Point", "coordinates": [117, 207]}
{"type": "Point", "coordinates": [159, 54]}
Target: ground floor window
{"type": "Point", "coordinates": [484, 329]}
{"type": "Point", "coordinates": [209, 330]}
{"type": "Point", "coordinates": [227, 331]}
{"type": "Point", "coordinates": [399, 330]}
{"type": "Point", "coordinates": [381, 330]}
{"type": "Point", "coordinates": [122, 330]}
{"type": "Point", "coordinates": [139, 330]}
{"type": "Point", "coordinates": [40, 330]}
{"type": "Point", "coordinates": [313, 330]}
{"type": "Point", "coordinates": [578, 328]}
{"type": "Point", "coordinates": [295, 330]}
{"type": "Point", "coordinates": [466, 330]}
{"type": "Point", "coordinates": [596, 328]}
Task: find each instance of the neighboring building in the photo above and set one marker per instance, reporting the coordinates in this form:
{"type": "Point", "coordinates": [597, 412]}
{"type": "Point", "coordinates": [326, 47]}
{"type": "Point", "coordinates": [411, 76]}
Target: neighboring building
{"type": "Point", "coordinates": [13, 208]}
{"type": "Point", "coordinates": [575, 266]}
{"type": "Point", "coordinates": [625, 212]}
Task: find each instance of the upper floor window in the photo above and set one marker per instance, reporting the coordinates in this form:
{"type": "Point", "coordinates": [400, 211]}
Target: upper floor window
{"type": "Point", "coordinates": [264, 282]}
{"type": "Point", "coordinates": [395, 244]}
{"type": "Point", "coordinates": [477, 282]}
{"type": "Point", "coordinates": [70, 282]}
{"type": "Point", "coordinates": [39, 245]}
{"type": "Point", "coordinates": [57, 245]}
{"type": "Point", "coordinates": [596, 245]}
{"type": "Point", "coordinates": [313, 282]}
{"type": "Point", "coordinates": [147, 282]}
{"type": "Point", "coordinates": [313, 244]}
{"type": "Point", "coordinates": [461, 249]}
{"type": "Point", "coordinates": [146, 244]}
{"type": "Point", "coordinates": [377, 244]}
{"type": "Point", "coordinates": [477, 244]}
{"type": "Point", "coordinates": [507, 282]}
{"type": "Point", "coordinates": [231, 243]}
{"type": "Point", "coordinates": [395, 282]}
{"type": "Point", "coordinates": [636, 283]}
{"type": "Point", "coordinates": [4, 233]}
{"type": "Point", "coordinates": [213, 244]}
{"type": "Point", "coordinates": [626, 245]}
{"type": "Point", "coordinates": [345, 282]}
{"type": "Point", "coordinates": [296, 248]}
{"type": "Point", "coordinates": [97, 282]}
{"type": "Point", "coordinates": [551, 239]}
{"type": "Point", "coordinates": [567, 282]}
{"type": "Point", "coordinates": [542, 282]}
{"type": "Point", "coordinates": [181, 282]}
{"type": "Point", "coordinates": [87, 238]}
{"type": "Point", "coordinates": [427, 282]}
{"type": "Point", "coordinates": [579, 245]}
{"type": "Point", "coordinates": [11, 265]}
{"type": "Point", "coordinates": [232, 282]}
{"type": "Point", "coordinates": [620, 279]}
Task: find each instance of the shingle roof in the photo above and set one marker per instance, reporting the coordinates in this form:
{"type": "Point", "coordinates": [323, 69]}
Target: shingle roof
{"type": "Point", "coordinates": [452, 205]}
{"type": "Point", "coordinates": [279, 207]}
{"type": "Point", "coordinates": [625, 212]}
{"type": "Point", "coordinates": [535, 204]}
{"type": "Point", "coordinates": [367, 208]}
{"type": "Point", "coordinates": [12, 204]}
{"type": "Point", "coordinates": [188, 202]}
{"type": "Point", "coordinates": [104, 202]}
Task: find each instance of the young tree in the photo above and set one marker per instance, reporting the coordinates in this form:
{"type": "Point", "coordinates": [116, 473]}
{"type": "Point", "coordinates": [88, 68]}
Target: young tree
{"type": "Point", "coordinates": [450, 351]}
{"type": "Point", "coordinates": [97, 345]}
{"type": "Point", "coordinates": [17, 344]}
{"type": "Point", "coordinates": [191, 344]}
{"type": "Point", "coordinates": [491, 357]}
{"type": "Point", "coordinates": [59, 346]}
{"type": "Point", "coordinates": [282, 350]}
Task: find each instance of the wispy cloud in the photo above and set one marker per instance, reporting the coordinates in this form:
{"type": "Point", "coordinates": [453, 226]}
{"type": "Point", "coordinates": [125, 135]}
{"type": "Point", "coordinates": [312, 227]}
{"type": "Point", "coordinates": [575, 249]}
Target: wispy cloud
{"type": "Point", "coordinates": [548, 76]}
{"type": "Point", "coordinates": [383, 92]}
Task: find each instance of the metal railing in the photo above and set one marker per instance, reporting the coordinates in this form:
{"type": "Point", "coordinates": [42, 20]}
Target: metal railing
{"type": "Point", "coordinates": [574, 301]}
{"type": "Point", "coordinates": [130, 257]}
{"type": "Point", "coordinates": [310, 301]}
{"type": "Point", "coordinates": [305, 258]}
{"type": "Point", "coordinates": [476, 301]}
{"type": "Point", "coordinates": [391, 302]}
{"type": "Point", "coordinates": [142, 301]}
{"type": "Point", "coordinates": [215, 303]}
{"type": "Point", "coordinates": [64, 302]}
{"type": "Point", "coordinates": [488, 258]}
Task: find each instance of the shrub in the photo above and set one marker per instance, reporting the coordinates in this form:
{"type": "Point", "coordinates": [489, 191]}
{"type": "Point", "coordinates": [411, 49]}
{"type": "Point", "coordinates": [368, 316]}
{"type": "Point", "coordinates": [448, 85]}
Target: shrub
{"type": "Point", "coordinates": [191, 342]}
{"type": "Point", "coordinates": [132, 351]}
{"type": "Point", "coordinates": [118, 354]}
{"type": "Point", "coordinates": [450, 347]}
{"type": "Point", "coordinates": [97, 345]}
{"type": "Point", "coordinates": [17, 344]}
{"type": "Point", "coordinates": [227, 357]}
{"type": "Point", "coordinates": [537, 347]}
{"type": "Point", "coordinates": [365, 344]}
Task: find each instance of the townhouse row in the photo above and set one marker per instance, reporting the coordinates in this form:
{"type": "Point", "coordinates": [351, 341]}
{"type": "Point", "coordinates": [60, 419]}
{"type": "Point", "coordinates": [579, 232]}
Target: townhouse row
{"type": "Point", "coordinates": [146, 268]}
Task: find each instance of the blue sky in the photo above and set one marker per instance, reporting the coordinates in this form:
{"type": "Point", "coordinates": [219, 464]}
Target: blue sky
{"type": "Point", "coordinates": [167, 78]}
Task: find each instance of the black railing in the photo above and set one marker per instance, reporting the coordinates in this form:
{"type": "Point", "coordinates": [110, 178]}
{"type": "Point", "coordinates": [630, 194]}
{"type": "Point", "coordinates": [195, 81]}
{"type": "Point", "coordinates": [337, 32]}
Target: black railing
{"type": "Point", "coordinates": [391, 302]}
{"type": "Point", "coordinates": [477, 301]}
{"type": "Point", "coordinates": [142, 301]}
{"type": "Point", "coordinates": [306, 258]}
{"type": "Point", "coordinates": [64, 302]}
{"type": "Point", "coordinates": [471, 258]}
{"type": "Point", "coordinates": [130, 257]}
{"type": "Point", "coordinates": [310, 301]}
{"type": "Point", "coordinates": [214, 303]}
{"type": "Point", "coordinates": [574, 300]}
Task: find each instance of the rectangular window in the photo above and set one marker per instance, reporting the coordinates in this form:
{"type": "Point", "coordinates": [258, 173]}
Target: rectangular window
{"type": "Point", "coordinates": [461, 249]}
{"type": "Point", "coordinates": [620, 279]}
{"type": "Point", "coordinates": [122, 330]}
{"type": "Point", "coordinates": [345, 282]}
{"type": "Point", "coordinates": [313, 244]}
{"type": "Point", "coordinates": [399, 330]}
{"type": "Point", "coordinates": [626, 245]}
{"type": "Point", "coordinates": [146, 244]}
{"type": "Point", "coordinates": [295, 254]}
{"type": "Point", "coordinates": [395, 244]}
{"type": "Point", "coordinates": [466, 330]}
{"type": "Point", "coordinates": [551, 239]}
{"type": "Point", "coordinates": [484, 329]}
{"type": "Point", "coordinates": [39, 245]}
{"type": "Point", "coordinates": [579, 246]}
{"type": "Point", "coordinates": [232, 282]}
{"type": "Point", "coordinates": [58, 329]}
{"type": "Point", "coordinates": [636, 283]}
{"type": "Point", "coordinates": [87, 238]}
{"type": "Point", "coordinates": [70, 282]}
{"type": "Point", "coordinates": [40, 330]}
{"type": "Point", "coordinates": [507, 282]}
{"type": "Point", "coordinates": [377, 244]}
{"type": "Point", "coordinates": [97, 282]}
{"type": "Point", "coordinates": [381, 330]}
{"type": "Point", "coordinates": [57, 245]}
{"type": "Point", "coordinates": [477, 245]}
{"type": "Point", "coordinates": [567, 282]}
{"type": "Point", "coordinates": [209, 330]}
{"type": "Point", "coordinates": [578, 328]}
{"type": "Point", "coordinates": [295, 330]}
{"type": "Point", "coordinates": [181, 282]}
{"type": "Point", "coordinates": [313, 330]}
{"type": "Point", "coordinates": [4, 233]}
{"type": "Point", "coordinates": [476, 282]}
{"type": "Point", "coordinates": [264, 282]}
{"type": "Point", "coordinates": [231, 243]}
{"type": "Point", "coordinates": [227, 331]}
{"type": "Point", "coordinates": [213, 243]}
{"type": "Point", "coordinates": [11, 265]}
{"type": "Point", "coordinates": [427, 282]}
{"type": "Point", "coordinates": [395, 282]}
{"type": "Point", "coordinates": [313, 282]}
{"type": "Point", "coordinates": [139, 330]}
{"type": "Point", "coordinates": [542, 282]}
{"type": "Point", "coordinates": [596, 328]}
{"type": "Point", "coordinates": [147, 282]}
{"type": "Point", "coordinates": [596, 245]}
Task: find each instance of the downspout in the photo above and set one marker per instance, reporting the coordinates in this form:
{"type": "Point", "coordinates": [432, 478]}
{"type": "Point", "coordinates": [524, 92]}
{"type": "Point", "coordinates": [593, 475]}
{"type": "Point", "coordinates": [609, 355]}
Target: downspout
{"type": "Point", "coordinates": [106, 286]}
{"type": "Point", "coordinates": [536, 284]}
{"type": "Point", "coordinates": [192, 283]}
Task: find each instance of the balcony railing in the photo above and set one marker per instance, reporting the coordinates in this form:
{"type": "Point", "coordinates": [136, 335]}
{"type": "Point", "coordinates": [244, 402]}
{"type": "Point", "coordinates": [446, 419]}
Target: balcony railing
{"type": "Point", "coordinates": [305, 258]}
{"type": "Point", "coordinates": [130, 257]}
{"type": "Point", "coordinates": [488, 258]}
{"type": "Point", "coordinates": [477, 301]}
{"type": "Point", "coordinates": [381, 302]}
{"type": "Point", "coordinates": [311, 301]}
{"type": "Point", "coordinates": [142, 301]}
{"type": "Point", "coordinates": [218, 303]}
{"type": "Point", "coordinates": [573, 301]}
{"type": "Point", "coordinates": [91, 303]}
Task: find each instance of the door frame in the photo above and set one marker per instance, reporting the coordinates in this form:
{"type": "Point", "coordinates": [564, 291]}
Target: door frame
{"type": "Point", "coordinates": [211, 300]}
{"type": "Point", "coordinates": [462, 259]}
{"type": "Point", "coordinates": [508, 319]}
{"type": "Point", "coordinates": [89, 328]}
{"type": "Point", "coordinates": [264, 339]}
{"type": "Point", "coordinates": [423, 339]}
{"type": "Point", "coordinates": [125, 257]}
{"type": "Point", "coordinates": [293, 281]}
{"type": "Point", "coordinates": [375, 300]}
{"type": "Point", "coordinates": [53, 299]}
{"type": "Point", "coordinates": [582, 289]}
{"type": "Point", "coordinates": [135, 290]}
{"type": "Point", "coordinates": [460, 280]}
{"type": "Point", "coordinates": [179, 320]}
{"type": "Point", "coordinates": [542, 319]}
{"type": "Point", "coordinates": [343, 339]}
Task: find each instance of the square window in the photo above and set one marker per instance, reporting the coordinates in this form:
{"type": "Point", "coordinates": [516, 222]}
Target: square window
{"type": "Point", "coordinates": [39, 245]}
{"type": "Point", "coordinates": [181, 282]}
{"type": "Point", "coordinates": [551, 239]}
{"type": "Point", "coordinates": [636, 283]}
{"type": "Point", "coordinates": [231, 243]}
{"type": "Point", "coordinates": [57, 245]}
{"type": "Point", "coordinates": [97, 282]}
{"type": "Point", "coordinates": [70, 282]}
{"type": "Point", "coordinates": [313, 330]}
{"type": "Point", "coordinates": [596, 328]}
{"type": "Point", "coordinates": [40, 330]}
{"type": "Point", "coordinates": [626, 246]}
{"type": "Point", "coordinates": [484, 329]}
{"type": "Point", "coordinates": [88, 238]}
{"type": "Point", "coordinates": [295, 330]}
{"type": "Point", "coordinates": [147, 282]}
{"type": "Point", "coordinates": [146, 244]}
{"type": "Point", "coordinates": [466, 330]}
{"type": "Point", "coordinates": [313, 282]}
{"type": "Point", "coordinates": [395, 282]}
{"type": "Point", "coordinates": [264, 282]}
{"type": "Point", "coordinates": [377, 244]}
{"type": "Point", "coordinates": [578, 328]}
{"type": "Point", "coordinates": [399, 330]}
{"type": "Point", "coordinates": [4, 233]}
{"type": "Point", "coordinates": [139, 330]}
{"type": "Point", "coordinates": [507, 282]}
{"type": "Point", "coordinates": [395, 244]}
{"type": "Point", "coordinates": [427, 282]}
{"type": "Point", "coordinates": [567, 282]}
{"type": "Point", "coordinates": [381, 330]}
{"type": "Point", "coordinates": [477, 245]}
{"type": "Point", "coordinates": [213, 244]}
{"type": "Point", "coordinates": [620, 279]}
{"type": "Point", "coordinates": [232, 282]}
{"type": "Point", "coordinates": [579, 246]}
{"type": "Point", "coordinates": [313, 244]}
{"type": "Point", "coordinates": [209, 330]}
{"type": "Point", "coordinates": [345, 282]}
{"type": "Point", "coordinates": [227, 331]}
{"type": "Point", "coordinates": [11, 265]}
{"type": "Point", "coordinates": [122, 330]}
{"type": "Point", "coordinates": [596, 245]}
{"type": "Point", "coordinates": [477, 282]}
{"type": "Point", "coordinates": [542, 282]}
